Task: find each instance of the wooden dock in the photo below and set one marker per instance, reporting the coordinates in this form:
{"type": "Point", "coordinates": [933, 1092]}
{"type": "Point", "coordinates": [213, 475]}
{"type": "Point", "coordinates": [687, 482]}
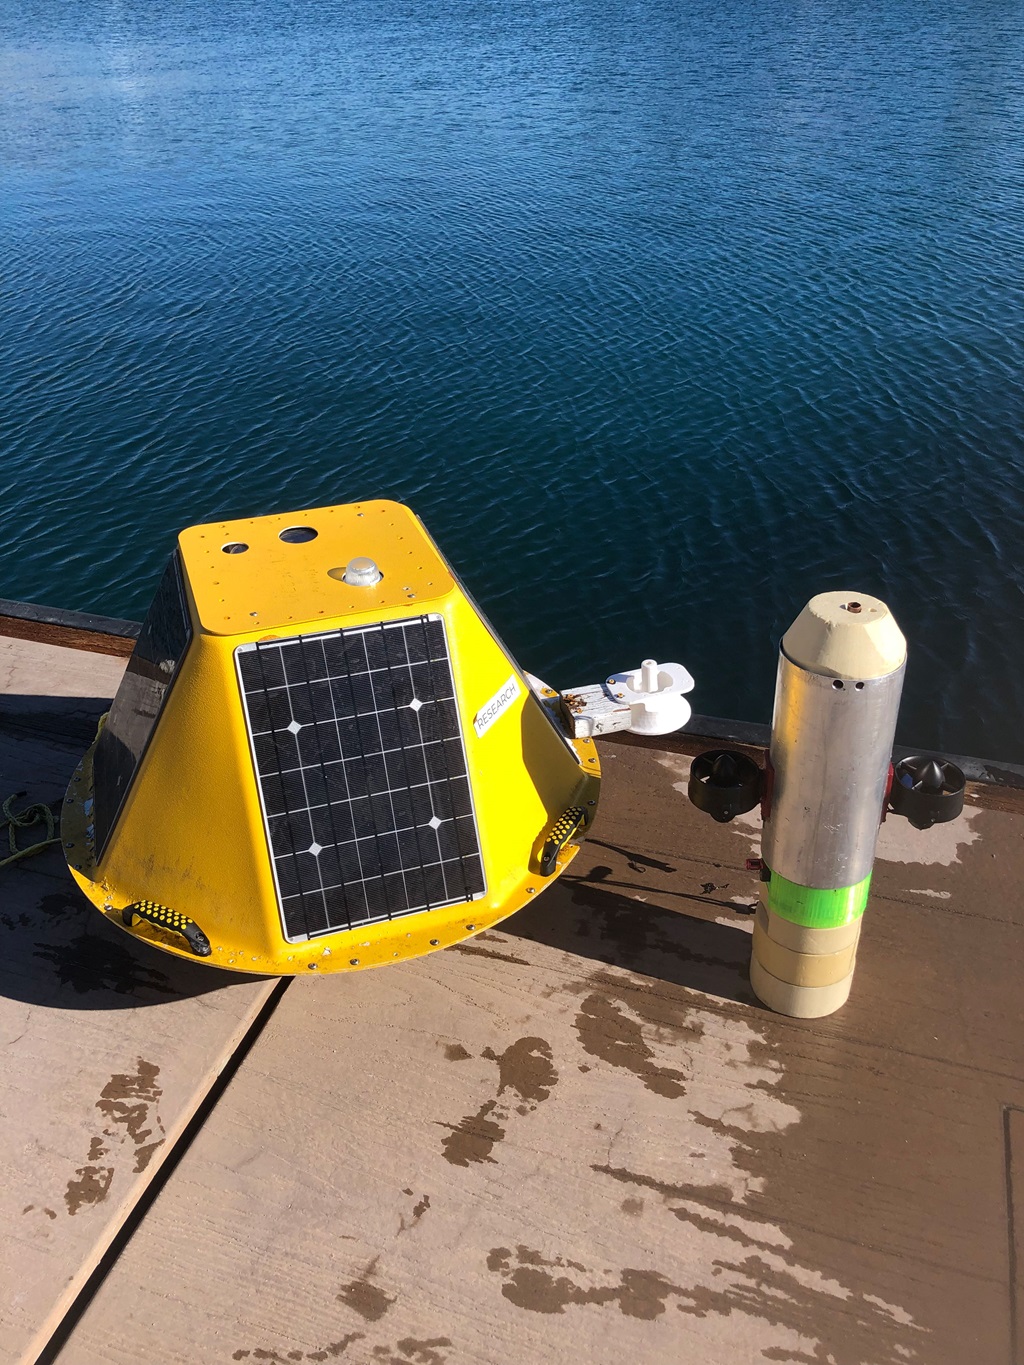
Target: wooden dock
{"type": "Point", "coordinates": [577, 1139]}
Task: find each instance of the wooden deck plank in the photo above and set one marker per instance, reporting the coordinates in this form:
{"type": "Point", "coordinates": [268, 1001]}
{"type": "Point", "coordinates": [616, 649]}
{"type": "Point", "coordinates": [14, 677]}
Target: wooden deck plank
{"type": "Point", "coordinates": [68, 629]}
{"type": "Point", "coordinates": [108, 1048]}
{"type": "Point", "coordinates": [1015, 1227]}
{"type": "Point", "coordinates": [580, 1138]}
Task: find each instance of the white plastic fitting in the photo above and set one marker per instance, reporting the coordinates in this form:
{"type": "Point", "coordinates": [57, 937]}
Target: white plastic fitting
{"type": "Point", "coordinates": [654, 694]}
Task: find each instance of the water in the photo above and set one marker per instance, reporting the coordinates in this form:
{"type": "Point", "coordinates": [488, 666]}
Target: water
{"type": "Point", "coordinates": [663, 315]}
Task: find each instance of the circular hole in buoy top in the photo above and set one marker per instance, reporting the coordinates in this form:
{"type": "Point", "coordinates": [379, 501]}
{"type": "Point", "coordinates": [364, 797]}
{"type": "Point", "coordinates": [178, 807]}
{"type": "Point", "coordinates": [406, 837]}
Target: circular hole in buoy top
{"type": "Point", "coordinates": [837, 683]}
{"type": "Point", "coordinates": [297, 535]}
{"type": "Point", "coordinates": [235, 547]}
{"type": "Point", "coordinates": [859, 687]}
{"type": "Point", "coordinates": [855, 607]}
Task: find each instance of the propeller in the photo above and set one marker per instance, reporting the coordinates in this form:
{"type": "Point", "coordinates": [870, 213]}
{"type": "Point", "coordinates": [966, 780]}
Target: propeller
{"type": "Point", "coordinates": [927, 790]}
{"type": "Point", "coordinates": [724, 783]}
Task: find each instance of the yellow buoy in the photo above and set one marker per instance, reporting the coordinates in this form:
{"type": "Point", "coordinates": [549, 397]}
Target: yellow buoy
{"type": "Point", "coordinates": [321, 756]}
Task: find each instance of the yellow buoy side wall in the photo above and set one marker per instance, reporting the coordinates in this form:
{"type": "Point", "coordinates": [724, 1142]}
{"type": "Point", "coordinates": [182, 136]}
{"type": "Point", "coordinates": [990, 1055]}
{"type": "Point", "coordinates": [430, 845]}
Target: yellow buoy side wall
{"type": "Point", "coordinates": [191, 834]}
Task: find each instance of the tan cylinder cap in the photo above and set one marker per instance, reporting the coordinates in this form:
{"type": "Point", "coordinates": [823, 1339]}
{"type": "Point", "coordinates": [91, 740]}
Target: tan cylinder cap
{"type": "Point", "coordinates": [799, 1002]}
{"type": "Point", "coordinates": [846, 635]}
{"type": "Point", "coordinates": [799, 939]}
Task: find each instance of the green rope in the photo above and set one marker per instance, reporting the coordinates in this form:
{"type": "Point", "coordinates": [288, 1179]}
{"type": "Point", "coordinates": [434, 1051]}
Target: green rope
{"type": "Point", "coordinates": [36, 814]}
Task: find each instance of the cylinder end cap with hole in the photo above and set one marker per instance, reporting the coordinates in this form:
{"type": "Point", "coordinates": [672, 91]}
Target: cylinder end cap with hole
{"type": "Point", "coordinates": [845, 635]}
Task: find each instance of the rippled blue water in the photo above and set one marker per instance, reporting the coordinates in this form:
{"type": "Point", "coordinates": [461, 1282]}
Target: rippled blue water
{"type": "Point", "coordinates": [663, 315]}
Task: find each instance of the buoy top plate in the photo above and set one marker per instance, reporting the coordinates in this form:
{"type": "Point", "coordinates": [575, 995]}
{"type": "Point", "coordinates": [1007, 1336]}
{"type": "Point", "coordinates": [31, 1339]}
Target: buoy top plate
{"type": "Point", "coordinates": [276, 572]}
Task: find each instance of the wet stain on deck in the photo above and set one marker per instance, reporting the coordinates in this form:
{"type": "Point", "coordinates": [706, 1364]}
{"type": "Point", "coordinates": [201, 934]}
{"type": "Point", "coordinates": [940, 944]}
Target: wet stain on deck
{"type": "Point", "coordinates": [473, 1138]}
{"type": "Point", "coordinates": [773, 1283]}
{"type": "Point", "coordinates": [413, 1351]}
{"type": "Point", "coordinates": [607, 1032]}
{"type": "Point", "coordinates": [663, 1187]}
{"type": "Point", "coordinates": [418, 1210]}
{"type": "Point", "coordinates": [526, 1069]}
{"type": "Point", "coordinates": [332, 1351]}
{"type": "Point", "coordinates": [364, 1297]}
{"type": "Point", "coordinates": [90, 963]}
{"type": "Point", "coordinates": [472, 950]}
{"type": "Point", "coordinates": [55, 907]}
{"type": "Point", "coordinates": [89, 1186]}
{"type": "Point", "coordinates": [756, 1286]}
{"type": "Point", "coordinates": [871, 1329]}
{"type": "Point", "coordinates": [128, 1103]}
{"type": "Point", "coordinates": [59, 905]}
{"type": "Point", "coordinates": [530, 1284]}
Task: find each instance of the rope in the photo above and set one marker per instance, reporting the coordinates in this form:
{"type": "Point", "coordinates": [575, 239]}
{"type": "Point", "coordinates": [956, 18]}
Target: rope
{"type": "Point", "coordinates": [36, 814]}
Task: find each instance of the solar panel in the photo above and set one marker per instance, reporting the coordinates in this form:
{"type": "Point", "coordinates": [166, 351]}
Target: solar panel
{"type": "Point", "coordinates": [362, 774]}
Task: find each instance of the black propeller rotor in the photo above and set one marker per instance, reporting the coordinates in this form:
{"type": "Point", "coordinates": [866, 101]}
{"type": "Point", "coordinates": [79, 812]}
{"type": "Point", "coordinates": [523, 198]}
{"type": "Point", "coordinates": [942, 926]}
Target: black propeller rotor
{"type": "Point", "coordinates": [927, 790]}
{"type": "Point", "coordinates": [724, 783]}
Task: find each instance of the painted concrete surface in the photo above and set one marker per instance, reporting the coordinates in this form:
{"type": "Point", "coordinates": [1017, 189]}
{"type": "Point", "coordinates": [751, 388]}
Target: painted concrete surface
{"type": "Point", "coordinates": [581, 1138]}
{"type": "Point", "coordinates": [107, 1048]}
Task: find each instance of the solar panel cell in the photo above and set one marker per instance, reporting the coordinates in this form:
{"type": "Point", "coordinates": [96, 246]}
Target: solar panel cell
{"type": "Point", "coordinates": [361, 768]}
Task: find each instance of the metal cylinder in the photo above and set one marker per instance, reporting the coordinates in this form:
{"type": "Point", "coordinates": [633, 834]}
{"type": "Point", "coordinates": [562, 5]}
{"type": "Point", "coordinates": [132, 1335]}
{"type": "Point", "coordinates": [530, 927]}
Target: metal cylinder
{"type": "Point", "coordinates": [830, 751]}
{"type": "Point", "coordinates": [840, 676]}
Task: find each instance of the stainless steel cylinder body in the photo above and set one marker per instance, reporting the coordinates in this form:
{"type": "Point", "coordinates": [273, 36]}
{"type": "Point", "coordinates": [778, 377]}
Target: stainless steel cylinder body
{"type": "Point", "coordinates": [840, 676]}
{"type": "Point", "coordinates": [830, 751]}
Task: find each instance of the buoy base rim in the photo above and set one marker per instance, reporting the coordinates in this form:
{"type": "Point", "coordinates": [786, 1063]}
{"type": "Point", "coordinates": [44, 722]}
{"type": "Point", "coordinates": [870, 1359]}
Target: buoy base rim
{"type": "Point", "coordinates": [375, 945]}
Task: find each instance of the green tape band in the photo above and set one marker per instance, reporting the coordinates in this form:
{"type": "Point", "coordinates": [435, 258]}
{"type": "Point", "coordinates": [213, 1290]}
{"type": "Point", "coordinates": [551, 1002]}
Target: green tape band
{"type": "Point", "coordinates": [815, 908]}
